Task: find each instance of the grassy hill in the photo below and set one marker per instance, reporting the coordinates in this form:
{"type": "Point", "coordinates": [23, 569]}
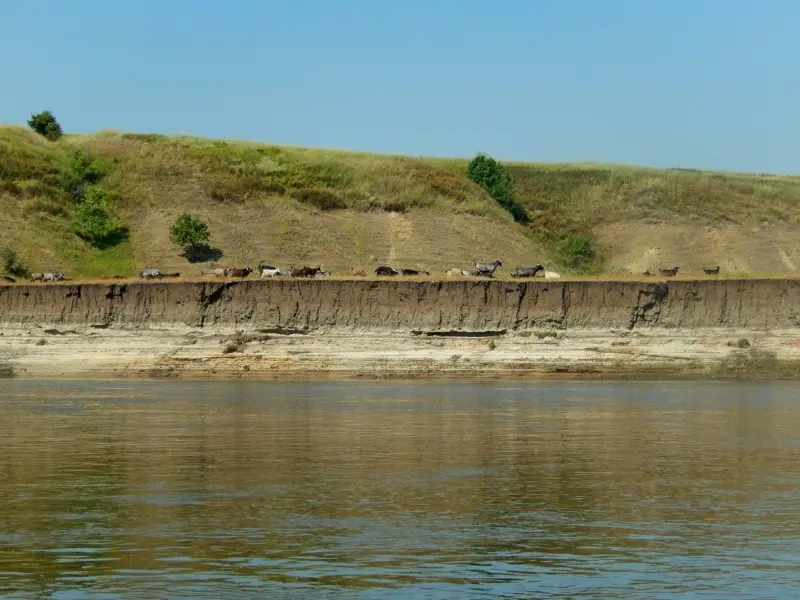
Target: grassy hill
{"type": "Point", "coordinates": [295, 206]}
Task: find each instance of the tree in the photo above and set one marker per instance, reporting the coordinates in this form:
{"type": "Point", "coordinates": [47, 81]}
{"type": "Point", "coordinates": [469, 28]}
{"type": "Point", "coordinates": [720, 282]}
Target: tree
{"type": "Point", "coordinates": [493, 177]}
{"type": "Point", "coordinates": [190, 233]}
{"type": "Point", "coordinates": [44, 123]}
{"type": "Point", "coordinates": [93, 219]}
{"type": "Point", "coordinates": [576, 249]}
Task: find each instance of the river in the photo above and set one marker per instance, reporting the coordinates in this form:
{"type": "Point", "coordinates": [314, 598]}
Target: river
{"type": "Point", "coordinates": [154, 489]}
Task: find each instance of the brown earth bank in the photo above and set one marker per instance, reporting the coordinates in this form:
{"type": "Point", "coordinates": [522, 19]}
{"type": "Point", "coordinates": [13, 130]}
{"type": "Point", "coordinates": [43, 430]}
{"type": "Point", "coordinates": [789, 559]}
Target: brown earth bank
{"type": "Point", "coordinates": [350, 328]}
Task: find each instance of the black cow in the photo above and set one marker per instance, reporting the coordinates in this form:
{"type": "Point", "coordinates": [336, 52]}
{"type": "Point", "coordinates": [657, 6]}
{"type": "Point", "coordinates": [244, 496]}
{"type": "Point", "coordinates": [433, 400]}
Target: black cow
{"type": "Point", "coordinates": [711, 270]}
{"type": "Point", "coordinates": [384, 271]}
{"type": "Point", "coordinates": [527, 271]}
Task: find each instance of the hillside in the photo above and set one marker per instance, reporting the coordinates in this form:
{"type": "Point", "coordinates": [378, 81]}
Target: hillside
{"type": "Point", "coordinates": [294, 206]}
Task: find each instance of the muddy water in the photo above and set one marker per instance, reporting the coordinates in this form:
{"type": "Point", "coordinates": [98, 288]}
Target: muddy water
{"type": "Point", "coordinates": [198, 490]}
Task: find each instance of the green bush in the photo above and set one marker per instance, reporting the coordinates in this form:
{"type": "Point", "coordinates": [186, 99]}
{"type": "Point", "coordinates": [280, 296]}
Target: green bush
{"type": "Point", "coordinates": [80, 172]}
{"type": "Point", "coordinates": [44, 123]}
{"type": "Point", "coordinates": [94, 221]}
{"type": "Point", "coordinates": [190, 233]}
{"type": "Point", "coordinates": [575, 250]}
{"type": "Point", "coordinates": [493, 177]}
{"type": "Point", "coordinates": [11, 263]}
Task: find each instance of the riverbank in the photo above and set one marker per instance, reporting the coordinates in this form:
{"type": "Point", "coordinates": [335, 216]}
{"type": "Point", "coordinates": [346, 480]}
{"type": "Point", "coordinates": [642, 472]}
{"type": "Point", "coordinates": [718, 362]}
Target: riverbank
{"type": "Point", "coordinates": [382, 329]}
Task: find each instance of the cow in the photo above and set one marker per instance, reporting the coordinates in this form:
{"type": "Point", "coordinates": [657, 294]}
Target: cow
{"type": "Point", "coordinates": [414, 272]}
{"type": "Point", "coordinates": [286, 272]}
{"type": "Point", "coordinates": [306, 272]}
{"type": "Point", "coordinates": [384, 271]}
{"type": "Point", "coordinates": [325, 274]}
{"type": "Point", "coordinates": [53, 276]}
{"type": "Point", "coordinates": [711, 270]}
{"type": "Point", "coordinates": [8, 279]}
{"type": "Point", "coordinates": [669, 272]}
{"type": "Point", "coordinates": [523, 272]}
{"type": "Point", "coordinates": [244, 272]}
{"type": "Point", "coordinates": [461, 273]}
{"type": "Point", "coordinates": [220, 272]}
{"type": "Point", "coordinates": [647, 274]}
{"type": "Point", "coordinates": [150, 273]}
{"type": "Point", "coordinates": [267, 271]}
{"type": "Point", "coordinates": [37, 277]}
{"type": "Point", "coordinates": [487, 269]}
{"type": "Point", "coordinates": [551, 275]}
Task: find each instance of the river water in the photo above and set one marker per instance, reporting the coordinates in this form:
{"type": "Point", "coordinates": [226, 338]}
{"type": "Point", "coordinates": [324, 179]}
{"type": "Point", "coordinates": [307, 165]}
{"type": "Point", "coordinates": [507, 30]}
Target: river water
{"type": "Point", "coordinates": [359, 490]}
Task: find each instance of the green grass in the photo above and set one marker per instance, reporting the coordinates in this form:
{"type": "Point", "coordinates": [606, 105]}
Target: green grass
{"type": "Point", "coordinates": [348, 209]}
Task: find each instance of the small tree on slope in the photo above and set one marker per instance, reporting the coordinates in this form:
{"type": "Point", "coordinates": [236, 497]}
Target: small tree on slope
{"type": "Point", "coordinates": [190, 233]}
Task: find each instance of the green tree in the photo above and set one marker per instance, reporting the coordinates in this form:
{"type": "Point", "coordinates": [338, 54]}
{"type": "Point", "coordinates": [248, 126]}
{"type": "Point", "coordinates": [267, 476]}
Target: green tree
{"type": "Point", "coordinates": [190, 233]}
{"type": "Point", "coordinates": [44, 123]}
{"type": "Point", "coordinates": [493, 177]}
{"type": "Point", "coordinates": [93, 219]}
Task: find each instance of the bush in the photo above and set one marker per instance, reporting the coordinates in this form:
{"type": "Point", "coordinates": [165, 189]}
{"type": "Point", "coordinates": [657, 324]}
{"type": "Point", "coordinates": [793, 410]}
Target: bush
{"type": "Point", "coordinates": [44, 123]}
{"type": "Point", "coordinates": [322, 199]}
{"type": "Point", "coordinates": [190, 233]}
{"type": "Point", "coordinates": [93, 220]}
{"type": "Point", "coordinates": [575, 249]}
{"type": "Point", "coordinates": [11, 263]}
{"type": "Point", "coordinates": [81, 172]}
{"type": "Point", "coordinates": [493, 177]}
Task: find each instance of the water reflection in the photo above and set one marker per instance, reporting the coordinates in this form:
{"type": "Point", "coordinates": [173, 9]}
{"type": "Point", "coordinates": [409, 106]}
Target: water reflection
{"type": "Point", "coordinates": [151, 489]}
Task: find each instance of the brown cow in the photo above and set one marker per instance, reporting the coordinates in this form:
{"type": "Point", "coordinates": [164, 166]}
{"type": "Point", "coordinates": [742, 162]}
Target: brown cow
{"type": "Point", "coordinates": [306, 272]}
{"type": "Point", "coordinates": [241, 272]}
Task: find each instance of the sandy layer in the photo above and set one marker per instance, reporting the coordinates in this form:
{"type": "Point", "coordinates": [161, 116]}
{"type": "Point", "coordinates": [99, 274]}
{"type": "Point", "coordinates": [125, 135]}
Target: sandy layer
{"type": "Point", "coordinates": [194, 352]}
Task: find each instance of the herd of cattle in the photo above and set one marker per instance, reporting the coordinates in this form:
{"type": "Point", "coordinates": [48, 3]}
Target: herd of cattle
{"type": "Point", "coordinates": [269, 271]}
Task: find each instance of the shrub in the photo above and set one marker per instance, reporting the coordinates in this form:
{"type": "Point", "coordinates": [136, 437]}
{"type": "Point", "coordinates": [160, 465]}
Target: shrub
{"type": "Point", "coordinates": [93, 219]}
{"type": "Point", "coordinates": [190, 233]}
{"type": "Point", "coordinates": [81, 172]}
{"type": "Point", "coordinates": [322, 199]}
{"type": "Point", "coordinates": [575, 249]}
{"type": "Point", "coordinates": [44, 123]}
{"type": "Point", "coordinates": [11, 263]}
{"type": "Point", "coordinates": [493, 177]}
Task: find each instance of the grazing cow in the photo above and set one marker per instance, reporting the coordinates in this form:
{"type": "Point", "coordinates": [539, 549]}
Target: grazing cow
{"type": "Point", "coordinates": [267, 271]}
{"type": "Point", "coordinates": [8, 279]}
{"type": "Point", "coordinates": [669, 272]}
{"type": "Point", "coordinates": [172, 275]}
{"type": "Point", "coordinates": [53, 276]}
{"type": "Point", "coordinates": [711, 270]}
{"type": "Point", "coordinates": [306, 272]}
{"type": "Point", "coordinates": [487, 269]}
{"type": "Point", "coordinates": [414, 272]}
{"type": "Point", "coordinates": [551, 275]}
{"type": "Point", "coordinates": [325, 274]}
{"type": "Point", "coordinates": [150, 273]}
{"type": "Point", "coordinates": [37, 277]}
{"type": "Point", "coordinates": [286, 272]}
{"type": "Point", "coordinates": [245, 272]}
{"type": "Point", "coordinates": [462, 273]}
{"type": "Point", "coordinates": [220, 272]}
{"type": "Point", "coordinates": [263, 267]}
{"type": "Point", "coordinates": [523, 272]}
{"type": "Point", "coordinates": [384, 271]}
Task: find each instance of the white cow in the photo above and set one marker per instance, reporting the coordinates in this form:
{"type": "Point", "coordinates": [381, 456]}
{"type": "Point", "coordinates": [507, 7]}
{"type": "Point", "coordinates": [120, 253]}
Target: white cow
{"type": "Point", "coordinates": [270, 272]}
{"type": "Point", "coordinates": [551, 275]}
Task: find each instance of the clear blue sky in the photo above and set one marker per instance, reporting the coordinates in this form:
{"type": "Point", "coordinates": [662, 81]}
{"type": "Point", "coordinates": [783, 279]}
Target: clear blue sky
{"type": "Point", "coordinates": [692, 83]}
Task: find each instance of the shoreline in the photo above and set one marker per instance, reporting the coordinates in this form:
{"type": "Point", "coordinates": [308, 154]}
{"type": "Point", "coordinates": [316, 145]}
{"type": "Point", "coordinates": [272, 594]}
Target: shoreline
{"type": "Point", "coordinates": [227, 353]}
{"type": "Point", "coordinates": [396, 329]}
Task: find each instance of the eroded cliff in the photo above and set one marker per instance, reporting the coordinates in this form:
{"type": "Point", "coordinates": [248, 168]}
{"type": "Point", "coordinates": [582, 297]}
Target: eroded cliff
{"type": "Point", "coordinates": [458, 306]}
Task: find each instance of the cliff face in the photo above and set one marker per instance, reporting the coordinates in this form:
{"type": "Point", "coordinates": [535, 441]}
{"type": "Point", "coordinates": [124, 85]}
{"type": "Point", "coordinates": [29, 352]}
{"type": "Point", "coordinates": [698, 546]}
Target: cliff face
{"type": "Point", "coordinates": [413, 305]}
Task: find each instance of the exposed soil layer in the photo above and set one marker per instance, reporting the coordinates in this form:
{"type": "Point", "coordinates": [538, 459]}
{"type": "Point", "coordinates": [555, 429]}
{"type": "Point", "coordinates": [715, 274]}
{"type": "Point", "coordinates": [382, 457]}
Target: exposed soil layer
{"type": "Point", "coordinates": [295, 329]}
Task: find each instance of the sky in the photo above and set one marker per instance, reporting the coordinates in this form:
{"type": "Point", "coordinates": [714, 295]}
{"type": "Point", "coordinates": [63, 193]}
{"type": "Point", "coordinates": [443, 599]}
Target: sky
{"type": "Point", "coordinates": [672, 83]}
